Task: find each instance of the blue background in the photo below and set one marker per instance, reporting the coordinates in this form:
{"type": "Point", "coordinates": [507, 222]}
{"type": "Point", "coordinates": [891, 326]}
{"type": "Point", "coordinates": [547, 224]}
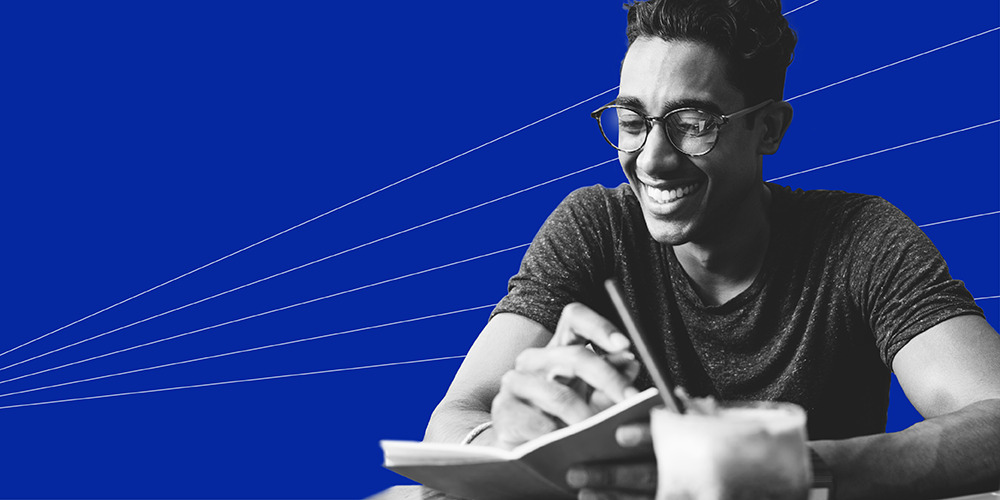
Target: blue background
{"type": "Point", "coordinates": [144, 139]}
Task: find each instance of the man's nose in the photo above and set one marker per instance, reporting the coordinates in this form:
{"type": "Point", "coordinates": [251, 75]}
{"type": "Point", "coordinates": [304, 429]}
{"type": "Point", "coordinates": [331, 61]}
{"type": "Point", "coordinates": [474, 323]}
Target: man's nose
{"type": "Point", "coordinates": [658, 156]}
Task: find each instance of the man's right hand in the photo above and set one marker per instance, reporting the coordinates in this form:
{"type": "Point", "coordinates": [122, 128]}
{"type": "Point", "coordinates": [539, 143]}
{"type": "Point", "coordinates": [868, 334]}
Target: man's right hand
{"type": "Point", "coordinates": [532, 401]}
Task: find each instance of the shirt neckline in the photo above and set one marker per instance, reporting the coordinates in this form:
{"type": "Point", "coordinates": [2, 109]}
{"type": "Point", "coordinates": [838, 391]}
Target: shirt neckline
{"type": "Point", "coordinates": [682, 282]}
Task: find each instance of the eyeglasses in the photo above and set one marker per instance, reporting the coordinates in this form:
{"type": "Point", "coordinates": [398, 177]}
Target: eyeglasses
{"type": "Point", "coordinates": [692, 131]}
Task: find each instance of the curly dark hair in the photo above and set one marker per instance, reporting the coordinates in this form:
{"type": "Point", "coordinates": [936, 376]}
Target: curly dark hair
{"type": "Point", "coordinates": [752, 34]}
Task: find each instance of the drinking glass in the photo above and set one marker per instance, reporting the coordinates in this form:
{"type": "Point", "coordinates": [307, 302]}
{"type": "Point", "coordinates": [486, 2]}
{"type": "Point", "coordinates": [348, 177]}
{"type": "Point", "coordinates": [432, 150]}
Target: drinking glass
{"type": "Point", "coordinates": [743, 450]}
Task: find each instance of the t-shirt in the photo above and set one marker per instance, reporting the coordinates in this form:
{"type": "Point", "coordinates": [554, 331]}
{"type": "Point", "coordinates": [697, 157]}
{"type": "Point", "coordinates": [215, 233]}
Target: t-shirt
{"type": "Point", "coordinates": [846, 282]}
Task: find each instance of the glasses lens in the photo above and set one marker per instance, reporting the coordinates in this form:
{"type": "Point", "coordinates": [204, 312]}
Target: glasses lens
{"type": "Point", "coordinates": [623, 128]}
{"type": "Point", "coordinates": [692, 131]}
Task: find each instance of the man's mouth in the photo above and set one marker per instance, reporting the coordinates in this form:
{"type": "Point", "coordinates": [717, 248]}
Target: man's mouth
{"type": "Point", "coordinates": [670, 195]}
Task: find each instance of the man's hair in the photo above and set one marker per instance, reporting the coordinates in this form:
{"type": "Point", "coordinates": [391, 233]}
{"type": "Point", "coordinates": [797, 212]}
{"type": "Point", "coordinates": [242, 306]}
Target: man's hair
{"type": "Point", "coordinates": [751, 34]}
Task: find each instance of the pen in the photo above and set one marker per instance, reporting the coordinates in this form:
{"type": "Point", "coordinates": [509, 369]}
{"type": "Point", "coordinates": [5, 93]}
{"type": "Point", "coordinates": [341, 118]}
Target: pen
{"type": "Point", "coordinates": [660, 376]}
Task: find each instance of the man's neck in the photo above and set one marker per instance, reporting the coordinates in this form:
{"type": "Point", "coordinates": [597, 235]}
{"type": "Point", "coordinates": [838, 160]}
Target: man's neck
{"type": "Point", "coordinates": [725, 263]}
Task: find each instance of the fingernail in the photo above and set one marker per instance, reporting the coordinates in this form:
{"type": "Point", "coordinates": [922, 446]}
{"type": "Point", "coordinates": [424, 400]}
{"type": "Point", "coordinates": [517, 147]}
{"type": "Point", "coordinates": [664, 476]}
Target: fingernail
{"type": "Point", "coordinates": [628, 436]}
{"type": "Point", "coordinates": [618, 341]}
{"type": "Point", "coordinates": [630, 391]}
{"type": "Point", "coordinates": [577, 478]}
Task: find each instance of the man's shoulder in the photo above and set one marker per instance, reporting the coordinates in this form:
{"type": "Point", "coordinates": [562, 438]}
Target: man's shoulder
{"type": "Point", "coordinates": [830, 206]}
{"type": "Point", "coordinates": [824, 197]}
{"type": "Point", "coordinates": [840, 224]}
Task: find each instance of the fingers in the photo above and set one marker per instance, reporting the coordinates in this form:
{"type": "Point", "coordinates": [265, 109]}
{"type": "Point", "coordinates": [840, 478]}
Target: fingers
{"type": "Point", "coordinates": [634, 435]}
{"type": "Point", "coordinates": [527, 403]}
{"type": "Point", "coordinates": [538, 395]}
{"type": "Point", "coordinates": [579, 324]}
{"type": "Point", "coordinates": [618, 481]}
{"type": "Point", "coordinates": [626, 364]}
{"type": "Point", "coordinates": [549, 396]}
{"type": "Point", "coordinates": [580, 362]}
{"type": "Point", "coordinates": [516, 422]}
{"type": "Point", "coordinates": [639, 477]}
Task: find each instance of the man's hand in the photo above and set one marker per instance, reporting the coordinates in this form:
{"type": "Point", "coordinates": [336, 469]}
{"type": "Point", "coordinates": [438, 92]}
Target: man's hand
{"type": "Point", "coordinates": [532, 401]}
{"type": "Point", "coordinates": [622, 481]}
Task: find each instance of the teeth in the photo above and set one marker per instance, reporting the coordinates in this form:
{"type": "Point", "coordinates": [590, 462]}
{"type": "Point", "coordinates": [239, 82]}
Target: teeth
{"type": "Point", "coordinates": [668, 195]}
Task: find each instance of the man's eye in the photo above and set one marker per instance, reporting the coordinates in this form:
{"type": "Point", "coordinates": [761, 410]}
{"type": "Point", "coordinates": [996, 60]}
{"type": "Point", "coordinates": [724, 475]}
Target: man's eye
{"type": "Point", "coordinates": [631, 125]}
{"type": "Point", "coordinates": [692, 127]}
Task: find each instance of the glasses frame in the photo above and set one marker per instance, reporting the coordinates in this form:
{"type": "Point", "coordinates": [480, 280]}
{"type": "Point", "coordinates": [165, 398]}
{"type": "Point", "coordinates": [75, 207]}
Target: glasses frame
{"type": "Point", "coordinates": [648, 120]}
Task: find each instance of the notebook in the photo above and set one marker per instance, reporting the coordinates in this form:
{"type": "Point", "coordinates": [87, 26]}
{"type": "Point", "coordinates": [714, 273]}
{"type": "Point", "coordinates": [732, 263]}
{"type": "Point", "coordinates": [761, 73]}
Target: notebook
{"type": "Point", "coordinates": [536, 469]}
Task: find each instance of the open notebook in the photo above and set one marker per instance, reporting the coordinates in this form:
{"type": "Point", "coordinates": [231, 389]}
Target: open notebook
{"type": "Point", "coordinates": [536, 469]}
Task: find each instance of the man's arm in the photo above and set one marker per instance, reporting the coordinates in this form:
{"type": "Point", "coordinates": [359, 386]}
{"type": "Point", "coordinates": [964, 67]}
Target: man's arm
{"type": "Point", "coordinates": [509, 377]}
{"type": "Point", "coordinates": [951, 375]}
{"type": "Point", "coordinates": [467, 402]}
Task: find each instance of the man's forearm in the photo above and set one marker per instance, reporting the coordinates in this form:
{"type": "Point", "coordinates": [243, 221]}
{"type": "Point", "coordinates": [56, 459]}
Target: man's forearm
{"type": "Point", "coordinates": [949, 455]}
{"type": "Point", "coordinates": [452, 421]}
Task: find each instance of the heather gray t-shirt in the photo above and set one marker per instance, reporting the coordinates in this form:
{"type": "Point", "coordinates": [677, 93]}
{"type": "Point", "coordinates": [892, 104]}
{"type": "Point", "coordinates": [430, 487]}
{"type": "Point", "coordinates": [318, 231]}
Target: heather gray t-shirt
{"type": "Point", "coordinates": [847, 280]}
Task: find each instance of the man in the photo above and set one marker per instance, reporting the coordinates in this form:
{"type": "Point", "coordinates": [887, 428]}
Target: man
{"type": "Point", "coordinates": [756, 291]}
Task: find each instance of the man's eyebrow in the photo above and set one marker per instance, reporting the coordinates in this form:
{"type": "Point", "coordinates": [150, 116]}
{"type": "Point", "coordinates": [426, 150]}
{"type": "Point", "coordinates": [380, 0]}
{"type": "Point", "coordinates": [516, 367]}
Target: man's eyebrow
{"type": "Point", "coordinates": [632, 102]}
{"type": "Point", "coordinates": [635, 103]}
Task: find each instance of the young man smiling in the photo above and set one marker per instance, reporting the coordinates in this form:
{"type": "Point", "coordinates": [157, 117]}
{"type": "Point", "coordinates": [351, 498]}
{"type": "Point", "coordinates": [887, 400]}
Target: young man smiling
{"type": "Point", "coordinates": [756, 291]}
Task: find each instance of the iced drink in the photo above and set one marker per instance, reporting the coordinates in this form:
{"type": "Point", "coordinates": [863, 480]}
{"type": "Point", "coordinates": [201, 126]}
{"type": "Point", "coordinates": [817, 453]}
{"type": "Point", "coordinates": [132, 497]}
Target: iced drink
{"type": "Point", "coordinates": [753, 450]}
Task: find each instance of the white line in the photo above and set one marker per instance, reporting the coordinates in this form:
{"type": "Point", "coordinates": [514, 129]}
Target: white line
{"type": "Point", "coordinates": [342, 252]}
{"type": "Point", "coordinates": [227, 382]}
{"type": "Point", "coordinates": [310, 301]}
{"type": "Point", "coordinates": [261, 348]}
{"type": "Point", "coordinates": [428, 169]}
{"type": "Point", "coordinates": [399, 363]}
{"type": "Point", "coordinates": [382, 189]}
{"type": "Point", "coordinates": [367, 196]}
{"type": "Point", "coordinates": [891, 64]}
{"type": "Point", "coordinates": [960, 218]}
{"type": "Point", "coordinates": [800, 7]}
{"type": "Point", "coordinates": [328, 335]}
{"type": "Point", "coordinates": [883, 150]}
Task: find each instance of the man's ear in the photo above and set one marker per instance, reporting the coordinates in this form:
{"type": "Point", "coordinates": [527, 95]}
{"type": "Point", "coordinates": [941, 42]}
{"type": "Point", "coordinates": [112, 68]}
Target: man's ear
{"type": "Point", "coordinates": [775, 119]}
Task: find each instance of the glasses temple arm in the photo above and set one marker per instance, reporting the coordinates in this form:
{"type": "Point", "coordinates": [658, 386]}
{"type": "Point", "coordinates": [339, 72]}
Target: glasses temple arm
{"type": "Point", "coordinates": [747, 111]}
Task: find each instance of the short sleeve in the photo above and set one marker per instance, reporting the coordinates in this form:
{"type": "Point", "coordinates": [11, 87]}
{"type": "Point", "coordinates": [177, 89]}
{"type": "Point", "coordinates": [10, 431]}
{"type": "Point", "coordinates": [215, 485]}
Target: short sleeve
{"type": "Point", "coordinates": [566, 261]}
{"type": "Point", "coordinates": [901, 281]}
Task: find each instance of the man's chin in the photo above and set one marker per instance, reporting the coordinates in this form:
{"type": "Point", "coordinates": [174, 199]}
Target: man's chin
{"type": "Point", "coordinates": [668, 233]}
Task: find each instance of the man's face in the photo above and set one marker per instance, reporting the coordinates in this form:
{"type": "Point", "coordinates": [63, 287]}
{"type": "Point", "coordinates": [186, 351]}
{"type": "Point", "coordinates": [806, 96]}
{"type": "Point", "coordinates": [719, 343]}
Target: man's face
{"type": "Point", "coordinates": [687, 199]}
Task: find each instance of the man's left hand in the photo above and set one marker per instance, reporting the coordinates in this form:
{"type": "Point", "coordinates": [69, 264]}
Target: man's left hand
{"type": "Point", "coordinates": [622, 481]}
